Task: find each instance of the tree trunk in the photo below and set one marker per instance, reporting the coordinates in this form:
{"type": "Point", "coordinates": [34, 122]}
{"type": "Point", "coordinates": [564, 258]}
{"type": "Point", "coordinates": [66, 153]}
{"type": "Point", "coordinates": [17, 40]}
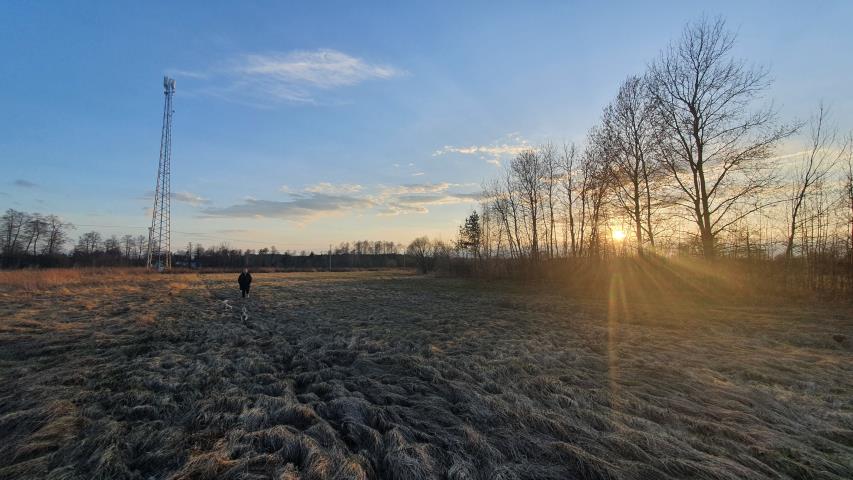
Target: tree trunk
{"type": "Point", "coordinates": [638, 222]}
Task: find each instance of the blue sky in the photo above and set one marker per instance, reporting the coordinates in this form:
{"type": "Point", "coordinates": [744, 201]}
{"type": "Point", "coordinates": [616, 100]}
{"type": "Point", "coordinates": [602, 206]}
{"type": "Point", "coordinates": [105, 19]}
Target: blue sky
{"type": "Point", "coordinates": [301, 125]}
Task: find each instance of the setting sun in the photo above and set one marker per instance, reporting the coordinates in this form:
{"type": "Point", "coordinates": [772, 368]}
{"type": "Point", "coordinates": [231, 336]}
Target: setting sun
{"type": "Point", "coordinates": [618, 235]}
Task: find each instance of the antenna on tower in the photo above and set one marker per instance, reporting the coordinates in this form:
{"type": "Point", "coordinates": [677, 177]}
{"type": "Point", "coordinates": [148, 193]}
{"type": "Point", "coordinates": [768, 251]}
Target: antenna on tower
{"type": "Point", "coordinates": [159, 234]}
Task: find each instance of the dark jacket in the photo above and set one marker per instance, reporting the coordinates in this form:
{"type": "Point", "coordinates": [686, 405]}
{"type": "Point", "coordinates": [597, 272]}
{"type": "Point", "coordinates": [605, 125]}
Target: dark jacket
{"type": "Point", "coordinates": [245, 279]}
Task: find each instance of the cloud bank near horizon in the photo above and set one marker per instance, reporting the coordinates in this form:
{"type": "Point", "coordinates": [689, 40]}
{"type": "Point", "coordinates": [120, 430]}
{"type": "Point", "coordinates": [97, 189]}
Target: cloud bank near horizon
{"type": "Point", "coordinates": [327, 199]}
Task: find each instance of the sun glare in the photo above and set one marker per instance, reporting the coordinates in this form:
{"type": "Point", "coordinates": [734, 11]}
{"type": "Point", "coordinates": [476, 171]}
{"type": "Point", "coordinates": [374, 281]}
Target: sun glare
{"type": "Point", "coordinates": [618, 235]}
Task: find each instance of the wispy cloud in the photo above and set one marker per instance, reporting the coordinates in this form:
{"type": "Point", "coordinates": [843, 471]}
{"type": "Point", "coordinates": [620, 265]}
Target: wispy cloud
{"type": "Point", "coordinates": [265, 79]}
{"type": "Point", "coordinates": [410, 188]}
{"type": "Point", "coordinates": [326, 199]}
{"type": "Point", "coordinates": [188, 74]}
{"type": "Point", "coordinates": [512, 144]}
{"type": "Point", "coordinates": [420, 203]}
{"type": "Point", "coordinates": [24, 183]}
{"type": "Point", "coordinates": [182, 197]}
{"type": "Point", "coordinates": [329, 188]}
{"type": "Point", "coordinates": [320, 68]}
{"type": "Point", "coordinates": [416, 198]}
{"type": "Point", "coordinates": [190, 198]}
{"type": "Point", "coordinates": [300, 207]}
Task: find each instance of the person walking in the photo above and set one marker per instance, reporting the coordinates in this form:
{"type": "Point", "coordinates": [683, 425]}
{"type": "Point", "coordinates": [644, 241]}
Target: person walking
{"type": "Point", "coordinates": [245, 281]}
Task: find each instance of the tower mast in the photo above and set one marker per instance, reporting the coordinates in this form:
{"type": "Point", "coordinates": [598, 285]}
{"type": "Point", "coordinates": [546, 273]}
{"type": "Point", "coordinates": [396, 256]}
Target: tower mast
{"type": "Point", "coordinates": [159, 234]}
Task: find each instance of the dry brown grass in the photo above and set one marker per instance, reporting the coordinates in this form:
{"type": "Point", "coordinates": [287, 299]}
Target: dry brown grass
{"type": "Point", "coordinates": [380, 375]}
{"type": "Point", "coordinates": [37, 280]}
{"type": "Point", "coordinates": [34, 280]}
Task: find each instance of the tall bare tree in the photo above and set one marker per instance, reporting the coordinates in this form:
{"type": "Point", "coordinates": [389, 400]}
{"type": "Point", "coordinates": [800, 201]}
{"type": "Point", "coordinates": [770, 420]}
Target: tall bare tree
{"type": "Point", "coordinates": [629, 125]}
{"type": "Point", "coordinates": [513, 210]}
{"type": "Point", "coordinates": [56, 235]}
{"type": "Point", "coordinates": [847, 198]}
{"type": "Point", "coordinates": [818, 161]}
{"type": "Point", "coordinates": [34, 229]}
{"type": "Point", "coordinates": [127, 245]}
{"type": "Point", "coordinates": [141, 244]}
{"type": "Point", "coordinates": [567, 166]}
{"type": "Point", "coordinates": [597, 182]}
{"type": "Point", "coordinates": [527, 171]}
{"type": "Point", "coordinates": [499, 207]}
{"type": "Point", "coordinates": [89, 243]}
{"type": "Point", "coordinates": [714, 146]}
{"type": "Point", "coordinates": [13, 224]}
{"type": "Point", "coordinates": [550, 183]}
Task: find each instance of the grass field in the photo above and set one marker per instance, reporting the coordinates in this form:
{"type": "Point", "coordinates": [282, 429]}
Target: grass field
{"type": "Point", "coordinates": [396, 376]}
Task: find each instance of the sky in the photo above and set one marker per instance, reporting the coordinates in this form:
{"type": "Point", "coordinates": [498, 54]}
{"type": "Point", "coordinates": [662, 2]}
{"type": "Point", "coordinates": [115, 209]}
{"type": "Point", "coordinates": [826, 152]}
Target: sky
{"type": "Point", "coordinates": [306, 124]}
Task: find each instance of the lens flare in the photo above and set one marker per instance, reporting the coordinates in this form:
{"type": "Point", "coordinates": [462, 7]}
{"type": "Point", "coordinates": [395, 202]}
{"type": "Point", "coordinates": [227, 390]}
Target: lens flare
{"type": "Point", "coordinates": [619, 235]}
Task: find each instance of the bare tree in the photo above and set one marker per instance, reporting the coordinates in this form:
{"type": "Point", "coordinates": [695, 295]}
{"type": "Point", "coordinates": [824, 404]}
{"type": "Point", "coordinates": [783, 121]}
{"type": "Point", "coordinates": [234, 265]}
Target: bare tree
{"type": "Point", "coordinates": [822, 156]}
{"type": "Point", "coordinates": [34, 229]}
{"type": "Point", "coordinates": [89, 243]}
{"type": "Point", "coordinates": [199, 252]}
{"type": "Point", "coordinates": [597, 181]}
{"type": "Point", "coordinates": [629, 125]}
{"type": "Point", "coordinates": [713, 145]}
{"type": "Point", "coordinates": [141, 244]}
{"type": "Point", "coordinates": [127, 245]}
{"type": "Point", "coordinates": [513, 204]}
{"type": "Point", "coordinates": [847, 199]}
{"type": "Point", "coordinates": [112, 246]}
{"type": "Point", "coordinates": [526, 169]}
{"type": "Point", "coordinates": [567, 165]}
{"type": "Point", "coordinates": [56, 233]}
{"type": "Point", "coordinates": [551, 181]}
{"type": "Point", "coordinates": [491, 239]}
{"type": "Point", "coordinates": [499, 205]}
{"type": "Point", "coordinates": [13, 223]}
{"type": "Point", "coordinates": [421, 249]}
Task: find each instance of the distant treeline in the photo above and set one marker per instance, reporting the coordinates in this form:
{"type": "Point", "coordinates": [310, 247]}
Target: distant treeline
{"type": "Point", "coordinates": [35, 240]}
{"type": "Point", "coordinates": [359, 254]}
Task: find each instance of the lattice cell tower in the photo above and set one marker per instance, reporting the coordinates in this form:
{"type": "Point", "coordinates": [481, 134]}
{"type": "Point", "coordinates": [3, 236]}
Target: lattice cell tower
{"type": "Point", "coordinates": [159, 235]}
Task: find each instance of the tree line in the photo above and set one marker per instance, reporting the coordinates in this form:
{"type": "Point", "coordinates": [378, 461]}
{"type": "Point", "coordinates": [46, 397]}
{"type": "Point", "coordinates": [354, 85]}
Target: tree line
{"type": "Point", "coordinates": [357, 254]}
{"type": "Point", "coordinates": [32, 238]}
{"type": "Point", "coordinates": [35, 240]}
{"type": "Point", "coordinates": [684, 160]}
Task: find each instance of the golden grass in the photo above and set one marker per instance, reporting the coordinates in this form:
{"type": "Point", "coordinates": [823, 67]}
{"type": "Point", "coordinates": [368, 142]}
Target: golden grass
{"type": "Point", "coordinates": [37, 280]}
{"type": "Point", "coordinates": [383, 376]}
{"type": "Point", "coordinates": [90, 284]}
